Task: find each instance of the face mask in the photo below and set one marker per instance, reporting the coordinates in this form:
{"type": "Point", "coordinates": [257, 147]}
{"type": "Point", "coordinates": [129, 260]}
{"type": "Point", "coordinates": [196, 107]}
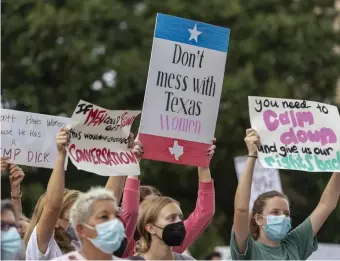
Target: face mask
{"type": "Point", "coordinates": [277, 227]}
{"type": "Point", "coordinates": [120, 251]}
{"type": "Point", "coordinates": [10, 243]}
{"type": "Point", "coordinates": [173, 234]}
{"type": "Point", "coordinates": [110, 235]}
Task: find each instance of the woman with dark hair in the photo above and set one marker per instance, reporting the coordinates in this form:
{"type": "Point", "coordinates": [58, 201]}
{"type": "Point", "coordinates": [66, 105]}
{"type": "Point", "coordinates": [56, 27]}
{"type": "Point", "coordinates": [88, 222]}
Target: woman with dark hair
{"type": "Point", "coordinates": [268, 235]}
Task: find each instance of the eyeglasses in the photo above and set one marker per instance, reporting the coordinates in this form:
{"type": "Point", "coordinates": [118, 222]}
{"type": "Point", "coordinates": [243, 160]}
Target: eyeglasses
{"type": "Point", "coordinates": [7, 225]}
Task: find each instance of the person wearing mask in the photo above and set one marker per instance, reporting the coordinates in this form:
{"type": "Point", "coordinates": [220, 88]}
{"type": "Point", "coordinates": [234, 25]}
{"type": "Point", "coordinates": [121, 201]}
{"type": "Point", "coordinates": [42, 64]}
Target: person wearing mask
{"type": "Point", "coordinates": [11, 243]}
{"type": "Point", "coordinates": [268, 235]}
{"type": "Point", "coordinates": [95, 218]}
{"type": "Point", "coordinates": [160, 227]}
{"type": "Point", "coordinates": [50, 233]}
{"type": "Point", "coordinates": [203, 213]}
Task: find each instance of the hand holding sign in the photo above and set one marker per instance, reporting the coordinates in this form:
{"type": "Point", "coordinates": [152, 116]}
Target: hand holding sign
{"type": "Point", "coordinates": [101, 141]}
{"type": "Point", "coordinates": [63, 139]}
{"type": "Point", "coordinates": [296, 134]}
{"type": "Point", "coordinates": [253, 142]}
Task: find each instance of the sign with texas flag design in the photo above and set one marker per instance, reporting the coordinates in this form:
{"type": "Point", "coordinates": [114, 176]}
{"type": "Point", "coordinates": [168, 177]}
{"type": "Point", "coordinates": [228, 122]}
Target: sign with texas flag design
{"type": "Point", "coordinates": [183, 90]}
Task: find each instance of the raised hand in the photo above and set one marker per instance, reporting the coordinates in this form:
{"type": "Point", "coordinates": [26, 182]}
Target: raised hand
{"type": "Point", "coordinates": [62, 139]}
{"type": "Point", "coordinates": [211, 150]}
{"type": "Point", "coordinates": [16, 175]}
{"type": "Point", "coordinates": [252, 140]}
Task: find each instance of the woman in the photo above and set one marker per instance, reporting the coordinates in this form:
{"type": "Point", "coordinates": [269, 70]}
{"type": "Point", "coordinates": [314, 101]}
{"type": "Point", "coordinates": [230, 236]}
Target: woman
{"type": "Point", "coordinates": [11, 243]}
{"type": "Point", "coordinates": [50, 234]}
{"type": "Point", "coordinates": [95, 218]}
{"type": "Point", "coordinates": [199, 219]}
{"type": "Point", "coordinates": [267, 236]}
{"type": "Point", "coordinates": [160, 227]}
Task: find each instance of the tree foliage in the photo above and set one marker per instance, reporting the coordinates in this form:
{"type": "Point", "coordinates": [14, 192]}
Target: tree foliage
{"type": "Point", "coordinates": [57, 52]}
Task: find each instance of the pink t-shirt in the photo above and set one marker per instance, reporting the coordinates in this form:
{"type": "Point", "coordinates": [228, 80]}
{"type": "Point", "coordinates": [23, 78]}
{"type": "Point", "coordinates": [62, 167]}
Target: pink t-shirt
{"type": "Point", "coordinates": [198, 220]}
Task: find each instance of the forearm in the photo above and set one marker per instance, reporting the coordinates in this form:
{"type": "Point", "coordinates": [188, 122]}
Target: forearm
{"type": "Point", "coordinates": [116, 184]}
{"type": "Point", "coordinates": [330, 196]}
{"type": "Point", "coordinates": [56, 184]}
{"type": "Point", "coordinates": [204, 174]}
{"type": "Point", "coordinates": [16, 201]}
{"type": "Point", "coordinates": [242, 196]}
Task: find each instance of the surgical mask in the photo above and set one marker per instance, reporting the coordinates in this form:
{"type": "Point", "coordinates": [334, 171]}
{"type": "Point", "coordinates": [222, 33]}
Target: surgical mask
{"type": "Point", "coordinates": [173, 234]}
{"type": "Point", "coordinates": [110, 235]}
{"type": "Point", "coordinates": [120, 251]}
{"type": "Point", "coordinates": [277, 227]}
{"type": "Point", "coordinates": [10, 243]}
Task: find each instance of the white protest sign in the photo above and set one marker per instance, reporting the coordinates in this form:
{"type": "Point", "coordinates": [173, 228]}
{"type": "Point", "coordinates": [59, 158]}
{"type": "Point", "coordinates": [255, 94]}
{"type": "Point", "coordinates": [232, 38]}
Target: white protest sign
{"type": "Point", "coordinates": [296, 134]}
{"type": "Point", "coordinates": [264, 180]}
{"type": "Point", "coordinates": [29, 138]}
{"type": "Point", "coordinates": [183, 90]}
{"type": "Point", "coordinates": [99, 140]}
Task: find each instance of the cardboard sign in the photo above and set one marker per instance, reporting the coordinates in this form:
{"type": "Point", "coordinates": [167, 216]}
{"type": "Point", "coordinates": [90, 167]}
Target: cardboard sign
{"type": "Point", "coordinates": [183, 90]}
{"type": "Point", "coordinates": [30, 138]}
{"type": "Point", "coordinates": [99, 141]}
{"type": "Point", "coordinates": [264, 180]}
{"type": "Point", "coordinates": [296, 134]}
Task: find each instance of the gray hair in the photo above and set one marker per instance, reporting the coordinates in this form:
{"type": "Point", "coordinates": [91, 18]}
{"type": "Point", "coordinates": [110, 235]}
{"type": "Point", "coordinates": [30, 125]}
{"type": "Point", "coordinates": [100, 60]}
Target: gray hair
{"type": "Point", "coordinates": [82, 208]}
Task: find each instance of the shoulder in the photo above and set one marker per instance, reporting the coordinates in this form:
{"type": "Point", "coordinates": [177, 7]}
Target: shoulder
{"type": "Point", "coordinates": [32, 250]}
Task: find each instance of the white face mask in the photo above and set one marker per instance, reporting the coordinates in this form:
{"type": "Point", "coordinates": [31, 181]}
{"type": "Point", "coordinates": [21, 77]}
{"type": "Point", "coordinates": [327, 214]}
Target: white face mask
{"type": "Point", "coordinates": [11, 244]}
{"type": "Point", "coordinates": [110, 235]}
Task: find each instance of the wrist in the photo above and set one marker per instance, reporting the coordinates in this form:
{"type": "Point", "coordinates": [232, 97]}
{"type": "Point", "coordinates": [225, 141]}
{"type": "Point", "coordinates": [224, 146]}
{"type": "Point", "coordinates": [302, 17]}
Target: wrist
{"type": "Point", "coordinates": [252, 154]}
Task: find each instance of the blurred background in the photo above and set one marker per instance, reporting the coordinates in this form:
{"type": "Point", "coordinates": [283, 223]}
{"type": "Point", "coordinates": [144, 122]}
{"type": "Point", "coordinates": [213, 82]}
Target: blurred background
{"type": "Point", "coordinates": [56, 52]}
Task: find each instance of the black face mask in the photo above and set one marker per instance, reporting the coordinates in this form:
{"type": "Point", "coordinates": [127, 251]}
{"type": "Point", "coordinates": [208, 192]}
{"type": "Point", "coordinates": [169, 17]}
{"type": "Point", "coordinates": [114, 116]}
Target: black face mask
{"type": "Point", "coordinates": [120, 251]}
{"type": "Point", "coordinates": [173, 234]}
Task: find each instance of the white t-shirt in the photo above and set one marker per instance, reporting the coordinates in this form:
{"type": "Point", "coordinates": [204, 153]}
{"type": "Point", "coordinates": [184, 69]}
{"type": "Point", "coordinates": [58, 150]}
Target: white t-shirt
{"type": "Point", "coordinates": [75, 255]}
{"type": "Point", "coordinates": [52, 251]}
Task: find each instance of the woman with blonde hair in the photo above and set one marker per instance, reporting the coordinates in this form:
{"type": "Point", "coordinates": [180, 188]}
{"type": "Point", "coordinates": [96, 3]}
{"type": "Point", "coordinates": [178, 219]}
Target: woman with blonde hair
{"type": "Point", "coordinates": [160, 226]}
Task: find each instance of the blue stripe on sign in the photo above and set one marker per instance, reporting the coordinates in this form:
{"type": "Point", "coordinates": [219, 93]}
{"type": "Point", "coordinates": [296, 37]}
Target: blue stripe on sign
{"type": "Point", "coordinates": [177, 29]}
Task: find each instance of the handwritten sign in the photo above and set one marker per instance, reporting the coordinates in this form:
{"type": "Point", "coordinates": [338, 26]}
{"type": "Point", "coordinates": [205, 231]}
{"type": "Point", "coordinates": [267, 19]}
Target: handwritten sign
{"type": "Point", "coordinates": [99, 140]}
{"type": "Point", "coordinates": [296, 134]}
{"type": "Point", "coordinates": [183, 90]}
{"type": "Point", "coordinates": [29, 138]}
{"type": "Point", "coordinates": [264, 180]}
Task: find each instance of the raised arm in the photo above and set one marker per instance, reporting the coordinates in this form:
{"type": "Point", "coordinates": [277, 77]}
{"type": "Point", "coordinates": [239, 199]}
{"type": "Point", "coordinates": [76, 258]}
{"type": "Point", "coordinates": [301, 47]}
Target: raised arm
{"type": "Point", "coordinates": [116, 183]}
{"type": "Point", "coordinates": [327, 204]}
{"type": "Point", "coordinates": [16, 175]}
{"type": "Point", "coordinates": [204, 211]}
{"type": "Point", "coordinates": [54, 195]}
{"type": "Point", "coordinates": [242, 196]}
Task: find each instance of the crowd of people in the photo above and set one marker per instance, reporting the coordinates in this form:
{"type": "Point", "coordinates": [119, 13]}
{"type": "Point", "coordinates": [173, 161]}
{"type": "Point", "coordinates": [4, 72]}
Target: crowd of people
{"type": "Point", "coordinates": [72, 225]}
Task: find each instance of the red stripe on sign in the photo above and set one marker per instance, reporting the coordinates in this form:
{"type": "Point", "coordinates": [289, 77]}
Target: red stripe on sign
{"type": "Point", "coordinates": [175, 150]}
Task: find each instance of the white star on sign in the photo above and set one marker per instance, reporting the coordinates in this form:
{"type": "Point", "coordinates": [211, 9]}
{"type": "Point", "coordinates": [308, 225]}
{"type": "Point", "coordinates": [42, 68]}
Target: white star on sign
{"type": "Point", "coordinates": [194, 33]}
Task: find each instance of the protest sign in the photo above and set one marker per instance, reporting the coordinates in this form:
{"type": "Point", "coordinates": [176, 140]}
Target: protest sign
{"type": "Point", "coordinates": [99, 140]}
{"type": "Point", "coordinates": [29, 138]}
{"type": "Point", "coordinates": [183, 90]}
{"type": "Point", "coordinates": [296, 134]}
{"type": "Point", "coordinates": [264, 180]}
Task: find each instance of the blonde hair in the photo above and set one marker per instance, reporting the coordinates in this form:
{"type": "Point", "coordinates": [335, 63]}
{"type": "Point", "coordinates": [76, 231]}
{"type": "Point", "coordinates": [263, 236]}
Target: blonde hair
{"type": "Point", "coordinates": [148, 214]}
{"type": "Point", "coordinates": [63, 240]}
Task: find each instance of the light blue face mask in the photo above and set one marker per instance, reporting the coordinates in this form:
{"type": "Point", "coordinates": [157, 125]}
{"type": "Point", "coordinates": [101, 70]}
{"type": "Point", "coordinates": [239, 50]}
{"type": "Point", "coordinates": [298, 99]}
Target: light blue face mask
{"type": "Point", "coordinates": [277, 227]}
{"type": "Point", "coordinates": [110, 235]}
{"type": "Point", "coordinates": [10, 244]}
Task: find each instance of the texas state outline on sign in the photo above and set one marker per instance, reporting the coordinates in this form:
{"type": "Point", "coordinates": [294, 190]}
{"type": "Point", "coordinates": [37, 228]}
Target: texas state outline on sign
{"type": "Point", "coordinates": [183, 90]}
